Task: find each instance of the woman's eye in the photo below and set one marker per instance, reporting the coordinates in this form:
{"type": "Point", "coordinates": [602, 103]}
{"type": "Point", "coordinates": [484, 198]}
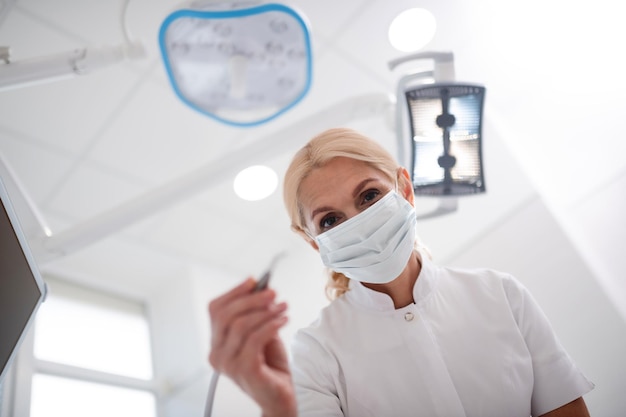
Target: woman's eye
{"type": "Point", "coordinates": [370, 195]}
{"type": "Point", "coordinates": [328, 222]}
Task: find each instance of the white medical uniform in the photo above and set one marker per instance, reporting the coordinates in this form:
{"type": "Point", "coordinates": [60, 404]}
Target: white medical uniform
{"type": "Point", "coordinates": [473, 344]}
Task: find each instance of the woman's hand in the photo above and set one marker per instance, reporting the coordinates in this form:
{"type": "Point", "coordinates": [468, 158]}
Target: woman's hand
{"type": "Point", "coordinates": [246, 347]}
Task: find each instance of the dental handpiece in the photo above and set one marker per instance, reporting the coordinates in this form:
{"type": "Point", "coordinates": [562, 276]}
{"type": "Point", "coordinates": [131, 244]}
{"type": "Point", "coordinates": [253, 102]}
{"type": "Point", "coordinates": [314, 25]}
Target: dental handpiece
{"type": "Point", "coordinates": [261, 284]}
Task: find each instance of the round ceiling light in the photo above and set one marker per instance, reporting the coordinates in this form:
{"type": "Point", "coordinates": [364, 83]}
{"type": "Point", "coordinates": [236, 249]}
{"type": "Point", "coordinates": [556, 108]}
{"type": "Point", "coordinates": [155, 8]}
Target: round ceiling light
{"type": "Point", "coordinates": [412, 29]}
{"type": "Point", "coordinates": [255, 183]}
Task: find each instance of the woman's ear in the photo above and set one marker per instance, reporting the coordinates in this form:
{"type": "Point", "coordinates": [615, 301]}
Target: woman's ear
{"type": "Point", "coordinates": [306, 237]}
{"type": "Point", "coordinates": [405, 186]}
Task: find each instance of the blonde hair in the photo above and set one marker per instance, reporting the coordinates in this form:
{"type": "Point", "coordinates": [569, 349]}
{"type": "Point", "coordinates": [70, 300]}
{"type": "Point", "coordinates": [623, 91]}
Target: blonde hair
{"type": "Point", "coordinates": [318, 152]}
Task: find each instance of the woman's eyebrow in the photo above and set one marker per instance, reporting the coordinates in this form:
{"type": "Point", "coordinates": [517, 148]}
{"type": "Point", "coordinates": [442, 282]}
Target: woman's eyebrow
{"type": "Point", "coordinates": [320, 210]}
{"type": "Point", "coordinates": [362, 185]}
{"type": "Point", "coordinates": [359, 187]}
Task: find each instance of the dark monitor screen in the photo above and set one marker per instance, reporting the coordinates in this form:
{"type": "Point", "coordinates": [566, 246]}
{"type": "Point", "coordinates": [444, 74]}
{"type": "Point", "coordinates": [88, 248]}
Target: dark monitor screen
{"type": "Point", "coordinates": [21, 288]}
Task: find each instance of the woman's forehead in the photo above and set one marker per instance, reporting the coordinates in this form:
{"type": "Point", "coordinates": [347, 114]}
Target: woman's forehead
{"type": "Point", "coordinates": [340, 167]}
{"type": "Point", "coordinates": [338, 176]}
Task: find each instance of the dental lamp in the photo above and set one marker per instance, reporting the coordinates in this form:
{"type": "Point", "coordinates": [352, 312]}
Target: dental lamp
{"type": "Point", "coordinates": [439, 131]}
{"type": "Point", "coordinates": [240, 63]}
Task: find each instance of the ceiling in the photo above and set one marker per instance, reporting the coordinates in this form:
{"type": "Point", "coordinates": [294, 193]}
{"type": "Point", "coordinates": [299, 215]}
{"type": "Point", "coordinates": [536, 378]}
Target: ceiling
{"type": "Point", "coordinates": [116, 158]}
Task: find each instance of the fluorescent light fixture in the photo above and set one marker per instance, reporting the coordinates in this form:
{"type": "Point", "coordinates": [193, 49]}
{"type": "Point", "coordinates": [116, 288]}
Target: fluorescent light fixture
{"type": "Point", "coordinates": [242, 65]}
{"type": "Point", "coordinates": [255, 183]}
{"type": "Point", "coordinates": [412, 29]}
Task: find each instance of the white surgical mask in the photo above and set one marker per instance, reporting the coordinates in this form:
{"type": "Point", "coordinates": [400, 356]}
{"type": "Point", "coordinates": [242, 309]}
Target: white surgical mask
{"type": "Point", "coordinates": [375, 245]}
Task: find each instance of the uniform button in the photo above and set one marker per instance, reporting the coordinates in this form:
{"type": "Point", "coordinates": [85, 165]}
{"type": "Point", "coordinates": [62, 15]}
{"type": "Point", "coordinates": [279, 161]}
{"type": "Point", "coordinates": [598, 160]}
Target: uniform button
{"type": "Point", "coordinates": [409, 316]}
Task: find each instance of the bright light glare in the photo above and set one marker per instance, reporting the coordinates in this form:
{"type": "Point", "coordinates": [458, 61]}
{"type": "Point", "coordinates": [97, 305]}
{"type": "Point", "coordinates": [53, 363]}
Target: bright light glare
{"type": "Point", "coordinates": [255, 183]}
{"type": "Point", "coordinates": [412, 29]}
{"type": "Point", "coordinates": [55, 396]}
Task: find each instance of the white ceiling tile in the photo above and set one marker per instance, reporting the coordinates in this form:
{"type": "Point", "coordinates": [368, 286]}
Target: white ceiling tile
{"type": "Point", "coordinates": [29, 38]}
{"type": "Point", "coordinates": [327, 18]}
{"type": "Point", "coordinates": [198, 233]}
{"type": "Point", "coordinates": [144, 19]}
{"type": "Point", "coordinates": [118, 266]}
{"type": "Point", "coordinates": [38, 168]}
{"type": "Point", "coordinates": [140, 229]}
{"type": "Point", "coordinates": [157, 137]}
{"type": "Point", "coordinates": [91, 191]}
{"type": "Point", "coordinates": [365, 40]}
{"type": "Point", "coordinates": [337, 77]}
{"type": "Point", "coordinates": [95, 21]}
{"type": "Point", "coordinates": [68, 114]}
{"type": "Point", "coordinates": [252, 214]}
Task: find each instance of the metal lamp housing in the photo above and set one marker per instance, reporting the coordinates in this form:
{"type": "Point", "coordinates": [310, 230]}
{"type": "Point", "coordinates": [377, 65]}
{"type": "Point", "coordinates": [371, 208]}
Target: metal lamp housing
{"type": "Point", "coordinates": [446, 131]}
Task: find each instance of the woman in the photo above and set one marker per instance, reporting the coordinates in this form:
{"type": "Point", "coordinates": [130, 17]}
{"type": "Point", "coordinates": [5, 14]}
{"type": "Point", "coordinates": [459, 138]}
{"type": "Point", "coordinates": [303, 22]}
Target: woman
{"type": "Point", "coordinates": [402, 336]}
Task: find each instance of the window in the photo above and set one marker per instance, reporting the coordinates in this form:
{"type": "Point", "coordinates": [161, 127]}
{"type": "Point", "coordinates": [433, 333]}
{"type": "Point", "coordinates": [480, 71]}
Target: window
{"type": "Point", "coordinates": [56, 396]}
{"type": "Point", "coordinates": [91, 356]}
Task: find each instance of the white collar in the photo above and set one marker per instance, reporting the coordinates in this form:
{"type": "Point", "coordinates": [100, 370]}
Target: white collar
{"type": "Point", "coordinates": [365, 297]}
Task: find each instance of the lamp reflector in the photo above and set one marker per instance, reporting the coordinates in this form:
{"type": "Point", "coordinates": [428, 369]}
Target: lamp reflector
{"type": "Point", "coordinates": [242, 65]}
{"type": "Point", "coordinates": [446, 125]}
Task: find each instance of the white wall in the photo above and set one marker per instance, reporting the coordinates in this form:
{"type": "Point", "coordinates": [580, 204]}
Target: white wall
{"type": "Point", "coordinates": [179, 355]}
{"type": "Point", "coordinates": [537, 251]}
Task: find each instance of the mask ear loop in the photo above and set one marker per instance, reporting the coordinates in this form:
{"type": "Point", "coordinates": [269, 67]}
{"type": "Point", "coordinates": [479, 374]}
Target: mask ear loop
{"type": "Point", "coordinates": [306, 232]}
{"type": "Point", "coordinates": [305, 235]}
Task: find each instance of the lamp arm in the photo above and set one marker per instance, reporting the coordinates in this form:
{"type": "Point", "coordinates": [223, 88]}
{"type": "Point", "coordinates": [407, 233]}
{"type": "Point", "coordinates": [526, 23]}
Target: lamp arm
{"type": "Point", "coordinates": [444, 63]}
{"type": "Point", "coordinates": [402, 111]}
{"type": "Point", "coordinates": [63, 65]}
{"type": "Point", "coordinates": [168, 194]}
{"type": "Point", "coordinates": [446, 205]}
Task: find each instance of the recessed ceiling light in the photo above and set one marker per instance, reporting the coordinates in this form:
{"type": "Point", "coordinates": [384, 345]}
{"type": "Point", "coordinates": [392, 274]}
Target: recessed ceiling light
{"type": "Point", "coordinates": [412, 29]}
{"type": "Point", "coordinates": [255, 183]}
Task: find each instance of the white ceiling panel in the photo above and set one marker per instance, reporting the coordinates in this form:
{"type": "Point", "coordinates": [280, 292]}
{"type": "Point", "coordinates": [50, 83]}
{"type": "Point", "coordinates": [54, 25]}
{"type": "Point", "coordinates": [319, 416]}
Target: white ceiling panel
{"type": "Point", "coordinates": [157, 137]}
{"type": "Point", "coordinates": [200, 233]}
{"type": "Point", "coordinates": [90, 191]}
{"type": "Point", "coordinates": [120, 266]}
{"type": "Point", "coordinates": [39, 40]}
{"type": "Point", "coordinates": [39, 168]}
{"type": "Point", "coordinates": [144, 19]}
{"type": "Point", "coordinates": [338, 78]}
{"type": "Point", "coordinates": [63, 113]}
{"type": "Point", "coordinates": [94, 21]}
{"type": "Point", "coordinates": [365, 39]}
{"type": "Point", "coordinates": [328, 18]}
